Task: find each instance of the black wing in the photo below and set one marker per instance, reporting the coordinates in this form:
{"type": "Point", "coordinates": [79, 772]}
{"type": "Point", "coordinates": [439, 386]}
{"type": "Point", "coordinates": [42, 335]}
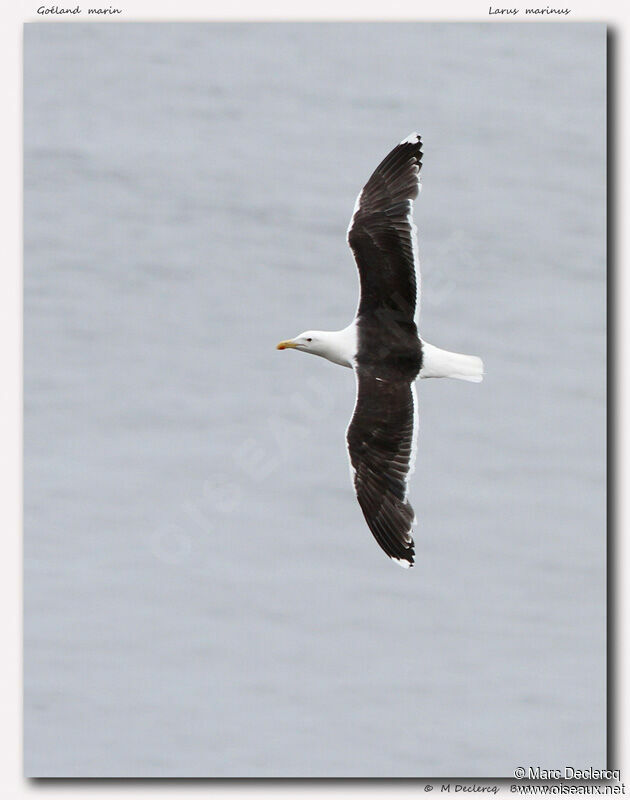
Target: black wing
{"type": "Point", "coordinates": [383, 237]}
{"type": "Point", "coordinates": [381, 443]}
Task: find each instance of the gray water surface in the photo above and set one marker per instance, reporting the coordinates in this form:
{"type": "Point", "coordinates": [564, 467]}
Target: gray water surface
{"type": "Point", "coordinates": [202, 596]}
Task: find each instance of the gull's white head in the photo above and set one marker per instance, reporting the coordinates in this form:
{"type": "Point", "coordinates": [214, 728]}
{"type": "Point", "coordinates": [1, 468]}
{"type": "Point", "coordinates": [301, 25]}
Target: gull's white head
{"type": "Point", "coordinates": [309, 341]}
{"type": "Point", "coordinates": [337, 346]}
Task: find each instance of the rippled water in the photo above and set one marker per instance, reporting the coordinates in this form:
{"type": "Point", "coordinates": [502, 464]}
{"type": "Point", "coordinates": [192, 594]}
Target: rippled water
{"type": "Point", "coordinates": [202, 596]}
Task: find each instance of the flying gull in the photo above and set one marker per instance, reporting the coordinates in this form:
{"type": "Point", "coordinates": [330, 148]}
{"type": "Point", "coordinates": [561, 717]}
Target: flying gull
{"type": "Point", "coordinates": [384, 349]}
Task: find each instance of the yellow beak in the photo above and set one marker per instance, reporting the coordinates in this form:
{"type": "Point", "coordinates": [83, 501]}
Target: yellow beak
{"type": "Point", "coordinates": [285, 345]}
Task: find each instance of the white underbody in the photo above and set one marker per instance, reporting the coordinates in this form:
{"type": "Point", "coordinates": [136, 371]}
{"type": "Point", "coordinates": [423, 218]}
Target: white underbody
{"type": "Point", "coordinates": [340, 347]}
{"type": "Point", "coordinates": [438, 363]}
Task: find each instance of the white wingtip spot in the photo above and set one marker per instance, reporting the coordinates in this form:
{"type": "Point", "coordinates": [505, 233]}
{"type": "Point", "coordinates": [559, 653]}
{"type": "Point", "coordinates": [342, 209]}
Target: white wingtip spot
{"type": "Point", "coordinates": [411, 139]}
{"type": "Point", "coordinates": [401, 562]}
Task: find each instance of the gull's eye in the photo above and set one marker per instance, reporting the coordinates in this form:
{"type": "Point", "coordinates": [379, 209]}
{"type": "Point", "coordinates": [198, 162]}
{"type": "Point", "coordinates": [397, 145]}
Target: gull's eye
{"type": "Point", "coordinates": [309, 340]}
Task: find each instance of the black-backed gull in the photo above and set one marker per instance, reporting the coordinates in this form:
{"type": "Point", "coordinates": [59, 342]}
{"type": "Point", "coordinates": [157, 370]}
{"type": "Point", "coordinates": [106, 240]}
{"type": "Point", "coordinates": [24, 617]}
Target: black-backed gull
{"type": "Point", "coordinates": [384, 349]}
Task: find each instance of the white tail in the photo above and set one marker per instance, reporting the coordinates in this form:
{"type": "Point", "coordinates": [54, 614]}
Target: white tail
{"type": "Point", "coordinates": [438, 363]}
